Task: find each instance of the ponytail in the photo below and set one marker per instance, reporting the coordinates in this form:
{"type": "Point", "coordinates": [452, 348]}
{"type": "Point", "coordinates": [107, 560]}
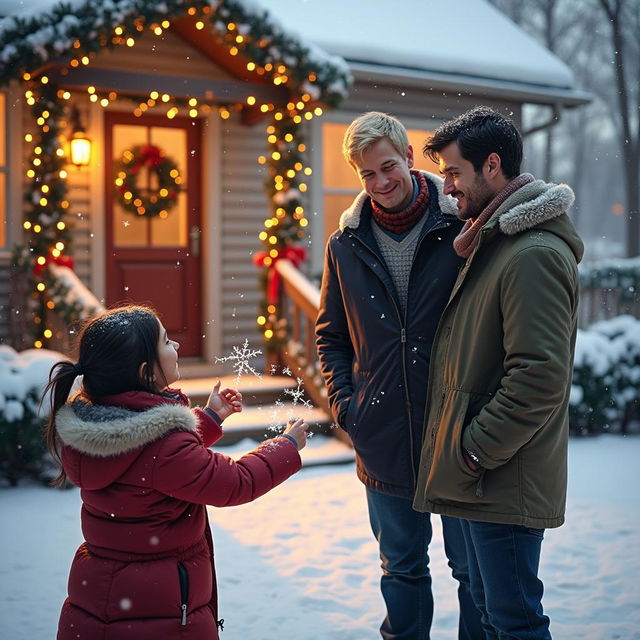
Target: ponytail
{"type": "Point", "coordinates": [61, 378]}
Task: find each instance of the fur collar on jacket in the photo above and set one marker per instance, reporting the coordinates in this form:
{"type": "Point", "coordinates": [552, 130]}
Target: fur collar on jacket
{"type": "Point", "coordinates": [101, 430]}
{"type": "Point", "coordinates": [351, 216]}
{"type": "Point", "coordinates": [533, 204]}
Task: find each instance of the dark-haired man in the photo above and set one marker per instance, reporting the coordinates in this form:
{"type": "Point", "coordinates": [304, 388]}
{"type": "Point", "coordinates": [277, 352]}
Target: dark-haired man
{"type": "Point", "coordinates": [495, 447]}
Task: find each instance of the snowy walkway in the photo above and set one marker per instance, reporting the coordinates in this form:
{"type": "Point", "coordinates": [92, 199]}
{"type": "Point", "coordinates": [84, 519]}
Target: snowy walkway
{"type": "Point", "coordinates": [300, 563]}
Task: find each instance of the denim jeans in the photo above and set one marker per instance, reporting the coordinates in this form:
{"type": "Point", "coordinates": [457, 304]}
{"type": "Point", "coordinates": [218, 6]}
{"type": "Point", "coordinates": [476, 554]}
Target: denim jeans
{"type": "Point", "coordinates": [403, 536]}
{"type": "Point", "coordinates": [503, 569]}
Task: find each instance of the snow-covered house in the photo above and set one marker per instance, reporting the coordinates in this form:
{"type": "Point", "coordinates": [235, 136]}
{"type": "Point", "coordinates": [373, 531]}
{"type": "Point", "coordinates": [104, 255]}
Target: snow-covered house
{"type": "Point", "coordinates": [211, 124]}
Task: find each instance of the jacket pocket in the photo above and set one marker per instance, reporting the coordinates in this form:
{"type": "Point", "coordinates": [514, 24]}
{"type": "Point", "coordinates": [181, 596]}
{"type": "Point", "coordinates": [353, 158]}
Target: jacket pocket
{"type": "Point", "coordinates": [450, 478]}
{"type": "Point", "coordinates": [183, 577]}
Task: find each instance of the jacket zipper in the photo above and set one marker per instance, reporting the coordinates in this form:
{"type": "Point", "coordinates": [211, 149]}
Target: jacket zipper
{"type": "Point", "coordinates": [184, 592]}
{"type": "Point", "coordinates": [403, 337]}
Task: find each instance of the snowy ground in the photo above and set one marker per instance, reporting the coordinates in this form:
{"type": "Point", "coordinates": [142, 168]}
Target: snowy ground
{"type": "Point", "coordinates": [301, 563]}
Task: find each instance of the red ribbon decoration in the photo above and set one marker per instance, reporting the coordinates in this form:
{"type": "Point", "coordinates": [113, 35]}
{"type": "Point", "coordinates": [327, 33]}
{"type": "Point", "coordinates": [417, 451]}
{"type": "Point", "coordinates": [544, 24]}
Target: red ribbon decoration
{"type": "Point", "coordinates": [297, 255]}
{"type": "Point", "coordinates": [63, 261]}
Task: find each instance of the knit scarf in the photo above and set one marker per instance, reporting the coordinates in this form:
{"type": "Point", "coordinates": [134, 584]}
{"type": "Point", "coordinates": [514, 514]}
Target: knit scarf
{"type": "Point", "coordinates": [466, 240]}
{"type": "Point", "coordinates": [400, 221]}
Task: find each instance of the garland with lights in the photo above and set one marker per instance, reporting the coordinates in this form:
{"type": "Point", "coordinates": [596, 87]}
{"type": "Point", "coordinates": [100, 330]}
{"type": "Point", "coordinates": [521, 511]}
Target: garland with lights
{"type": "Point", "coordinates": [81, 31]}
{"type": "Point", "coordinates": [156, 203]}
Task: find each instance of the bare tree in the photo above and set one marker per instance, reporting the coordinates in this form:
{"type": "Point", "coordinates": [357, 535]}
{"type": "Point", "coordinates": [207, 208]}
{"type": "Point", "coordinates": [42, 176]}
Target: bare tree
{"type": "Point", "coordinates": [624, 21]}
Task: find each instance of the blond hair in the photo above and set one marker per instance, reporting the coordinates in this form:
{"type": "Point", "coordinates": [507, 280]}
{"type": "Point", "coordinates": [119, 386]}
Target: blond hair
{"type": "Point", "coordinates": [367, 129]}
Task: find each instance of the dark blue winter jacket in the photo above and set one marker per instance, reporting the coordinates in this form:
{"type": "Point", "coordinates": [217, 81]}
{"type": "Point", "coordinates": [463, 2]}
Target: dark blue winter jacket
{"type": "Point", "coordinates": [374, 361]}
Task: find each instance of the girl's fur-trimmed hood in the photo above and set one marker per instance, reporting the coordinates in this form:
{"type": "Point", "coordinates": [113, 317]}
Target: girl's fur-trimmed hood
{"type": "Point", "coordinates": [351, 216]}
{"type": "Point", "coordinates": [102, 431]}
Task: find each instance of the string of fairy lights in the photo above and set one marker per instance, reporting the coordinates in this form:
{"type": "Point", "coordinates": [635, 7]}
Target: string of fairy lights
{"type": "Point", "coordinates": [268, 53]}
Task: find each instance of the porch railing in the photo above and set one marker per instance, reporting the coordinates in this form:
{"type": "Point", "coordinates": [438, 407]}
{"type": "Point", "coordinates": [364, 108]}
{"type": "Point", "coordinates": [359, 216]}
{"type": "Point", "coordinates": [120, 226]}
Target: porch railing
{"type": "Point", "coordinates": [300, 301]}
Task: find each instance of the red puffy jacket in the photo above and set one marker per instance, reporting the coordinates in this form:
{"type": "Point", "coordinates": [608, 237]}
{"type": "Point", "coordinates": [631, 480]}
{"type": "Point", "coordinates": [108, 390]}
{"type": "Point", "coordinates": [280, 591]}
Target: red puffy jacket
{"type": "Point", "coordinates": [146, 570]}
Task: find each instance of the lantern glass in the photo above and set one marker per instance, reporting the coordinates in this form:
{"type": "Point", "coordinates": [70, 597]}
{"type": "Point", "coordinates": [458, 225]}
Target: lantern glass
{"type": "Point", "coordinates": [80, 151]}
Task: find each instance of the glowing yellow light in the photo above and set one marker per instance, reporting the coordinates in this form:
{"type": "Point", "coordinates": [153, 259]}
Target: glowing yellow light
{"type": "Point", "coordinates": [298, 166]}
{"type": "Point", "coordinates": [74, 63]}
{"type": "Point", "coordinates": [55, 253]}
{"type": "Point", "coordinates": [261, 320]}
{"type": "Point", "coordinates": [93, 98]}
{"type": "Point", "coordinates": [26, 76]}
{"type": "Point", "coordinates": [28, 137]}
{"type": "Point", "coordinates": [192, 11]}
{"type": "Point", "coordinates": [302, 186]}
{"type": "Point", "coordinates": [37, 150]}
{"type": "Point", "coordinates": [272, 139]}
{"type": "Point", "coordinates": [317, 111]}
{"type": "Point", "coordinates": [297, 119]}
{"type": "Point", "coordinates": [37, 228]}
{"type": "Point", "coordinates": [273, 240]}
{"type": "Point", "coordinates": [302, 148]}
{"type": "Point", "coordinates": [37, 344]}
{"type": "Point", "coordinates": [41, 286]}
{"type": "Point", "coordinates": [63, 174]}
{"type": "Point", "coordinates": [251, 66]}
{"type": "Point", "coordinates": [51, 304]}
{"type": "Point", "coordinates": [174, 173]}
{"type": "Point", "coordinates": [91, 89]}
{"type": "Point", "coordinates": [224, 114]}
{"type": "Point", "coordinates": [166, 97]}
{"type": "Point", "coordinates": [158, 31]}
{"type": "Point", "coordinates": [85, 60]}
{"type": "Point", "coordinates": [288, 137]}
{"type": "Point", "coordinates": [273, 253]}
{"type": "Point", "coordinates": [64, 204]}
{"type": "Point", "coordinates": [251, 100]}
{"type": "Point", "coordinates": [263, 235]}
{"type": "Point", "coordinates": [44, 79]}
{"type": "Point", "coordinates": [268, 223]}
{"type": "Point", "coordinates": [308, 171]}
{"type": "Point", "coordinates": [267, 261]}
{"type": "Point", "coordinates": [278, 116]}
{"type": "Point", "coordinates": [130, 42]}
{"type": "Point", "coordinates": [59, 153]}
{"type": "Point", "coordinates": [231, 26]}
{"type": "Point", "coordinates": [165, 24]}
{"type": "Point", "coordinates": [37, 162]}
{"type": "Point", "coordinates": [304, 222]}
{"type": "Point", "coordinates": [66, 95]}
{"type": "Point", "coordinates": [80, 149]}
{"type": "Point", "coordinates": [31, 173]}
{"type": "Point", "coordinates": [47, 333]}
{"type": "Point", "coordinates": [43, 202]}
{"type": "Point", "coordinates": [154, 95]}
{"type": "Point", "coordinates": [164, 214]}
{"type": "Point", "coordinates": [104, 102]}
{"type": "Point", "coordinates": [271, 308]}
{"type": "Point", "coordinates": [30, 101]}
{"type": "Point", "coordinates": [278, 179]}
{"type": "Point", "coordinates": [26, 224]}
{"type": "Point", "coordinates": [60, 225]}
{"type": "Point", "coordinates": [308, 115]}
{"type": "Point", "coordinates": [118, 31]}
{"type": "Point", "coordinates": [268, 334]}
{"type": "Point", "coordinates": [234, 51]}
{"type": "Point", "coordinates": [261, 159]}
{"type": "Point", "coordinates": [60, 246]}
{"type": "Point", "coordinates": [271, 129]}
{"type": "Point", "coordinates": [239, 39]}
{"type": "Point", "coordinates": [291, 173]}
{"type": "Point", "coordinates": [128, 195]}
{"type": "Point", "coordinates": [276, 155]}
{"type": "Point", "coordinates": [264, 108]}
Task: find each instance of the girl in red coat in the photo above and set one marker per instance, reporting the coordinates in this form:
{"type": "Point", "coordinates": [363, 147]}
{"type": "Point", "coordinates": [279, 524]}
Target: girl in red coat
{"type": "Point", "coordinates": [141, 459]}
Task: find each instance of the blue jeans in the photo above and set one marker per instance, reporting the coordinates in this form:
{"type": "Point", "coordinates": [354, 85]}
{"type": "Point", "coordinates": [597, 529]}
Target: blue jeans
{"type": "Point", "coordinates": [503, 569]}
{"type": "Point", "coordinates": [403, 536]}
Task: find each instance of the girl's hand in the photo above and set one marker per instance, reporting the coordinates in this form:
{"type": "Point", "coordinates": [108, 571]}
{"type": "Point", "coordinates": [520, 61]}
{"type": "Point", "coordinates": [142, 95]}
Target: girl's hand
{"type": "Point", "coordinates": [297, 429]}
{"type": "Point", "coordinates": [224, 402]}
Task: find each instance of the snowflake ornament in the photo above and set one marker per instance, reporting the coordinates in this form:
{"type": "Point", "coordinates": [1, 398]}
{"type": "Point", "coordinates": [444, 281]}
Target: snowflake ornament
{"type": "Point", "coordinates": [241, 360]}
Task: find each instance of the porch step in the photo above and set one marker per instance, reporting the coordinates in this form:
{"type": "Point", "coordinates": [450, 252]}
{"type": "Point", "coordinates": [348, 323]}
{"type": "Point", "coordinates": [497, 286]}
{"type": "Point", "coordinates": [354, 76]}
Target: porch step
{"type": "Point", "coordinates": [255, 391]}
{"type": "Point", "coordinates": [320, 450]}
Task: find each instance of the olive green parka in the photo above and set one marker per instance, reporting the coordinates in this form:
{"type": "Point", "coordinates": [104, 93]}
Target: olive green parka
{"type": "Point", "coordinates": [501, 368]}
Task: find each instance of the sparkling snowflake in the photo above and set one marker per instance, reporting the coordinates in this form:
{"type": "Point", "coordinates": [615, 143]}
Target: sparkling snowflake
{"type": "Point", "coordinates": [273, 370]}
{"type": "Point", "coordinates": [240, 358]}
{"type": "Point", "coordinates": [297, 395]}
{"type": "Point", "coordinates": [286, 372]}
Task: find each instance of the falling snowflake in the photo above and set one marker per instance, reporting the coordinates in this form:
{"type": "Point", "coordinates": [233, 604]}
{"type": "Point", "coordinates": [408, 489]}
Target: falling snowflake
{"type": "Point", "coordinates": [297, 395]}
{"type": "Point", "coordinates": [240, 358]}
{"type": "Point", "coordinates": [272, 370]}
{"type": "Point", "coordinates": [286, 372]}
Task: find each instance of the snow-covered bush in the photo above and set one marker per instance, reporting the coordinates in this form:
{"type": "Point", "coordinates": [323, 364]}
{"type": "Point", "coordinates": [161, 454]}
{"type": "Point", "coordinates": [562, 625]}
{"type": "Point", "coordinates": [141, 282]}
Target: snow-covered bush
{"type": "Point", "coordinates": [606, 376]}
{"type": "Point", "coordinates": [23, 377]}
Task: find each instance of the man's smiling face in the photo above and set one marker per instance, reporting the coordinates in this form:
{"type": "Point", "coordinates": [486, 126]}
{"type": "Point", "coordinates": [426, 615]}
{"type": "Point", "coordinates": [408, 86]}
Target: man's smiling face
{"type": "Point", "coordinates": [385, 176]}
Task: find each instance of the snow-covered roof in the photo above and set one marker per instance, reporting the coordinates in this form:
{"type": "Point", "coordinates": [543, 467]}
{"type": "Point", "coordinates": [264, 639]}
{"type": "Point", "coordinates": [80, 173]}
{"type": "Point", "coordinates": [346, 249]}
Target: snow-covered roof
{"type": "Point", "coordinates": [469, 40]}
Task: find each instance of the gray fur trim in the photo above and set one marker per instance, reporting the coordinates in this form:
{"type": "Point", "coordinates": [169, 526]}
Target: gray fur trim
{"type": "Point", "coordinates": [351, 216]}
{"type": "Point", "coordinates": [111, 431]}
{"type": "Point", "coordinates": [554, 200]}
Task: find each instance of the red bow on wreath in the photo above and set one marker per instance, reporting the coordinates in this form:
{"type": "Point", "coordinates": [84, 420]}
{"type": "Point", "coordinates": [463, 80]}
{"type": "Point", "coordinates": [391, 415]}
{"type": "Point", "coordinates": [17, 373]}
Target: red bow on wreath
{"type": "Point", "coordinates": [63, 261]}
{"type": "Point", "coordinates": [295, 254]}
{"type": "Point", "coordinates": [150, 156]}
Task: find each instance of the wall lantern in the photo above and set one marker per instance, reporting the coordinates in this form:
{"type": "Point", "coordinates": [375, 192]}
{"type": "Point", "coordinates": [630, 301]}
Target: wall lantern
{"type": "Point", "coordinates": [80, 143]}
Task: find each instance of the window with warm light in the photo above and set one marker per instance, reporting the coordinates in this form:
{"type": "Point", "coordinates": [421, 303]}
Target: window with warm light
{"type": "Point", "coordinates": [3, 170]}
{"type": "Point", "coordinates": [340, 183]}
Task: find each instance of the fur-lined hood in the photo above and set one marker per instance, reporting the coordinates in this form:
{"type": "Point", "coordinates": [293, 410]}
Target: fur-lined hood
{"type": "Point", "coordinates": [351, 216]}
{"type": "Point", "coordinates": [100, 430]}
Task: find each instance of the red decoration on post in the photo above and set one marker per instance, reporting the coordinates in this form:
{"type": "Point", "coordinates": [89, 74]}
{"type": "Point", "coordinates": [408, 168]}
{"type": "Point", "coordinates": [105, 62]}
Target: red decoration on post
{"type": "Point", "coordinates": [63, 261]}
{"type": "Point", "coordinates": [297, 255]}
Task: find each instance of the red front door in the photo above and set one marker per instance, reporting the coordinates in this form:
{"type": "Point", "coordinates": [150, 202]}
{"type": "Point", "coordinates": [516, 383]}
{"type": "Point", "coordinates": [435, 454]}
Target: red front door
{"type": "Point", "coordinates": [156, 260]}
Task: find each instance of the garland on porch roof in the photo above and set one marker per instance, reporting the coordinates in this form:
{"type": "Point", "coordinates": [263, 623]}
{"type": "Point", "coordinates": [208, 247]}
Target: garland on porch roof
{"type": "Point", "coordinates": [81, 31]}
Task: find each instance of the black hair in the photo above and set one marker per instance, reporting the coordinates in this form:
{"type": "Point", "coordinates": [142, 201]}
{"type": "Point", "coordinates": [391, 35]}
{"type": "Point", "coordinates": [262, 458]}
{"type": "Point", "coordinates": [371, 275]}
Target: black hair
{"type": "Point", "coordinates": [112, 347]}
{"type": "Point", "coordinates": [478, 133]}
